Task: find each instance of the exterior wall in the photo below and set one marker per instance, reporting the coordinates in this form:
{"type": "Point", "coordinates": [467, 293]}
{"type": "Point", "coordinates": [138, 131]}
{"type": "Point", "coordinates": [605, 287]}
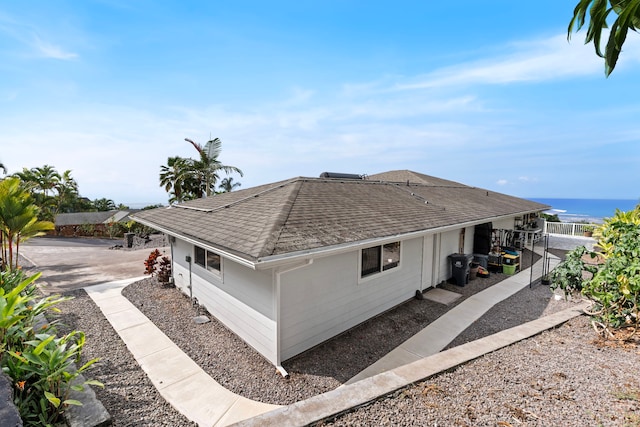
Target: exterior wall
{"type": "Point", "coordinates": [449, 242]}
{"type": "Point", "coordinates": [505, 223]}
{"type": "Point", "coordinates": [328, 297]}
{"type": "Point", "coordinates": [241, 298]}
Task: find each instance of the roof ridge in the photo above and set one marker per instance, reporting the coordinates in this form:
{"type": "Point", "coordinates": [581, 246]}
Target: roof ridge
{"type": "Point", "coordinates": [272, 236]}
{"type": "Point", "coordinates": [278, 185]}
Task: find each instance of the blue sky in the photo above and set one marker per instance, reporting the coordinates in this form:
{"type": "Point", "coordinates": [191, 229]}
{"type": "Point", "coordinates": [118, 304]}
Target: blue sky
{"type": "Point", "coordinates": [489, 93]}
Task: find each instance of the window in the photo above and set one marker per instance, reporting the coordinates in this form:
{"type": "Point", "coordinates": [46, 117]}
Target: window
{"type": "Point", "coordinates": [379, 258]}
{"type": "Point", "coordinates": [207, 259]}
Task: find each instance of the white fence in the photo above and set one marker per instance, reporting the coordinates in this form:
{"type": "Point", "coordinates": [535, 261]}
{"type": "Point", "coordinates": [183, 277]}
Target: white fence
{"type": "Point", "coordinates": [568, 228]}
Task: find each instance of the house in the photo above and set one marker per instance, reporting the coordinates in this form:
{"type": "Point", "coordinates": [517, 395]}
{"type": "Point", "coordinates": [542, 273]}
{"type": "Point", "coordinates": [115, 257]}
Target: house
{"type": "Point", "coordinates": [291, 264]}
{"type": "Point", "coordinates": [89, 223]}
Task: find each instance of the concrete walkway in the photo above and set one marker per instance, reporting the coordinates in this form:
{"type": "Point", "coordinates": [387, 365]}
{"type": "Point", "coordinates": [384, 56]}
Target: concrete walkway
{"type": "Point", "coordinates": [180, 381]}
{"type": "Point", "coordinates": [438, 334]}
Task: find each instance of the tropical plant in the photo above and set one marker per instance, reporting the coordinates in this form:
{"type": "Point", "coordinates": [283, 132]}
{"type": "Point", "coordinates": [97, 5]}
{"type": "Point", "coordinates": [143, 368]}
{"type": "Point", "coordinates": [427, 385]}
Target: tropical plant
{"type": "Point", "coordinates": [150, 264]}
{"type": "Point", "coordinates": [568, 276]}
{"type": "Point", "coordinates": [67, 189]}
{"type": "Point", "coordinates": [179, 179]}
{"type": "Point", "coordinates": [52, 192]}
{"type": "Point", "coordinates": [550, 217]}
{"type": "Point", "coordinates": [227, 185]}
{"type": "Point", "coordinates": [3, 167]}
{"type": "Point", "coordinates": [104, 205]}
{"type": "Point", "coordinates": [164, 270]}
{"type": "Point", "coordinates": [187, 179]}
{"type": "Point", "coordinates": [40, 364]}
{"type": "Point", "coordinates": [628, 12]}
{"type": "Point", "coordinates": [615, 285]}
{"type": "Point", "coordinates": [18, 220]}
{"type": "Point", "coordinates": [208, 166]}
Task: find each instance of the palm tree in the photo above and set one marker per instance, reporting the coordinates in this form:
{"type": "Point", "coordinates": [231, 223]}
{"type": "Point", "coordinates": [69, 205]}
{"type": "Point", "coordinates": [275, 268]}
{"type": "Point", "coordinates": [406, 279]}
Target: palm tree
{"type": "Point", "coordinates": [103, 205]}
{"type": "Point", "coordinates": [227, 185]}
{"type": "Point", "coordinates": [628, 12]}
{"type": "Point", "coordinates": [3, 167]}
{"type": "Point", "coordinates": [67, 189]}
{"type": "Point", "coordinates": [47, 178]}
{"type": "Point", "coordinates": [18, 220]}
{"type": "Point", "coordinates": [179, 179]}
{"type": "Point", "coordinates": [39, 182]}
{"type": "Point", "coordinates": [208, 166]}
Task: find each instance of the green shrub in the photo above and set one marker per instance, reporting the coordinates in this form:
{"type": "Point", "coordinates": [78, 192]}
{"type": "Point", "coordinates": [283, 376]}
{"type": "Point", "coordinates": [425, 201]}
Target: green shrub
{"type": "Point", "coordinates": [615, 285]}
{"type": "Point", "coordinates": [40, 364]}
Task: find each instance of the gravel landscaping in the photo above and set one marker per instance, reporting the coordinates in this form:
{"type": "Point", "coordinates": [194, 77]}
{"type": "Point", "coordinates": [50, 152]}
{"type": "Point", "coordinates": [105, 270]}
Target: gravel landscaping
{"type": "Point", "coordinates": [128, 395]}
{"type": "Point", "coordinates": [561, 377]}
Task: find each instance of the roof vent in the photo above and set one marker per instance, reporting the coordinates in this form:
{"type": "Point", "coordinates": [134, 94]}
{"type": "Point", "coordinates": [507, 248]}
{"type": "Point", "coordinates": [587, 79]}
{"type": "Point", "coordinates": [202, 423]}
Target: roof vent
{"type": "Point", "coordinates": [339, 175]}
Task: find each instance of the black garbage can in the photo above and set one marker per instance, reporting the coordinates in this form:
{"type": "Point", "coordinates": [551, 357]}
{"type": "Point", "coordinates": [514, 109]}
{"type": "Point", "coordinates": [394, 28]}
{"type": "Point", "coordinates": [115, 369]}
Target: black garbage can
{"type": "Point", "coordinates": [460, 267]}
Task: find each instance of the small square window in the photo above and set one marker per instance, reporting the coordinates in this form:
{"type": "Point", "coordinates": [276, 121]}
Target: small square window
{"type": "Point", "coordinates": [200, 257]}
{"type": "Point", "coordinates": [213, 261]}
{"type": "Point", "coordinates": [377, 259]}
{"type": "Point", "coordinates": [207, 259]}
{"type": "Point", "coordinates": [370, 261]}
{"type": "Point", "coordinates": [390, 255]}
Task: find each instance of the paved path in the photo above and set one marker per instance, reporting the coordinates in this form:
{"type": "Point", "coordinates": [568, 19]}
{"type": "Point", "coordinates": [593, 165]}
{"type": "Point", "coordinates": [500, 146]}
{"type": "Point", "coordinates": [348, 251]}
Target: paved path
{"type": "Point", "coordinates": [73, 263]}
{"type": "Point", "coordinates": [439, 333]}
{"type": "Point", "coordinates": [178, 378]}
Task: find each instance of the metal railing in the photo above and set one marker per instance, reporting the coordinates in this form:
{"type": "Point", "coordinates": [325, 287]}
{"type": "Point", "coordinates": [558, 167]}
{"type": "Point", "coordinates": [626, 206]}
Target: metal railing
{"type": "Point", "coordinates": [568, 228]}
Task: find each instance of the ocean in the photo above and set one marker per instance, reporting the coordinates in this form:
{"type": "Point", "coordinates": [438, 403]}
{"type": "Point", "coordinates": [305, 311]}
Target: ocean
{"type": "Point", "coordinates": [589, 210]}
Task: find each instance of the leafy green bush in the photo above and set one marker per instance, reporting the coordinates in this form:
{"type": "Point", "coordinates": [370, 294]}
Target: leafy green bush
{"type": "Point", "coordinates": [615, 285]}
{"type": "Point", "coordinates": [40, 364]}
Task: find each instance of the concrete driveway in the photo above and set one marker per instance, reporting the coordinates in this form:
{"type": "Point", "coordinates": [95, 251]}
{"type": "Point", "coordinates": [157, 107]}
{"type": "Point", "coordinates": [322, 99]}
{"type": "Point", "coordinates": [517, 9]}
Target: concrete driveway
{"type": "Point", "coordinates": [73, 263]}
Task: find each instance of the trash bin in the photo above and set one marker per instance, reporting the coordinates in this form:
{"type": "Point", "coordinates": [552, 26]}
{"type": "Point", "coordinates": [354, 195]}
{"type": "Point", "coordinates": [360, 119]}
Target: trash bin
{"type": "Point", "coordinates": [460, 268]}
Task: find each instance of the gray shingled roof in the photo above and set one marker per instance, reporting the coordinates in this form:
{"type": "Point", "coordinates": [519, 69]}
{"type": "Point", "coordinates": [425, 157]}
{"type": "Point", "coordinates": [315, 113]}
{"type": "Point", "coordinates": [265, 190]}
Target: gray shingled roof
{"type": "Point", "coordinates": [103, 217]}
{"type": "Point", "coordinates": [311, 213]}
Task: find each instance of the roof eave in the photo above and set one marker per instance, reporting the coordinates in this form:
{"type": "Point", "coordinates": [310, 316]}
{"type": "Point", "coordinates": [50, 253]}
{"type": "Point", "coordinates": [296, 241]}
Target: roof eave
{"type": "Point", "coordinates": [226, 254]}
{"type": "Point", "coordinates": [281, 259]}
{"type": "Point", "coordinates": [272, 261]}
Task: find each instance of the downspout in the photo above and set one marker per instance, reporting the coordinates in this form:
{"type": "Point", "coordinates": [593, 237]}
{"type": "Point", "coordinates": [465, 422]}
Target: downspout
{"type": "Point", "coordinates": [278, 272]}
{"type": "Point", "coordinates": [188, 259]}
{"type": "Point", "coordinates": [171, 242]}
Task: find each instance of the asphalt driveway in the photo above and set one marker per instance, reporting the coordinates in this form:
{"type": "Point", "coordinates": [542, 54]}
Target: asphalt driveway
{"type": "Point", "coordinates": [72, 263]}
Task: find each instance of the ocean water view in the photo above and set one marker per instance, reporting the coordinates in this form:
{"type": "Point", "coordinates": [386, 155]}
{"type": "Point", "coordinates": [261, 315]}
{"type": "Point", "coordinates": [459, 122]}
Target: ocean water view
{"type": "Point", "coordinates": [589, 210]}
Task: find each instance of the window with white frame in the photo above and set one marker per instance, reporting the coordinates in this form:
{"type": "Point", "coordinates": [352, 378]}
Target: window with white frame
{"type": "Point", "coordinates": [377, 259]}
{"type": "Point", "coordinates": [207, 259]}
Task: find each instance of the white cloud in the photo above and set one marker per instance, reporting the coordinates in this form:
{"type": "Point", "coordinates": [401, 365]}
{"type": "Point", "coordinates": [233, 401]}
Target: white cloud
{"type": "Point", "coordinates": [502, 182]}
{"type": "Point", "coordinates": [527, 179]}
{"type": "Point", "coordinates": [27, 34]}
{"type": "Point", "coordinates": [533, 61]}
{"type": "Point", "coordinates": [49, 50]}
